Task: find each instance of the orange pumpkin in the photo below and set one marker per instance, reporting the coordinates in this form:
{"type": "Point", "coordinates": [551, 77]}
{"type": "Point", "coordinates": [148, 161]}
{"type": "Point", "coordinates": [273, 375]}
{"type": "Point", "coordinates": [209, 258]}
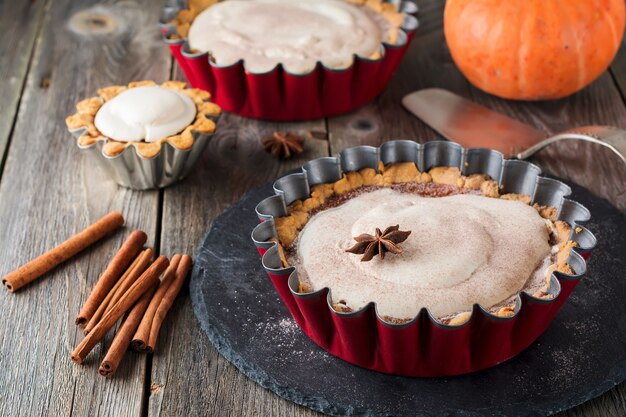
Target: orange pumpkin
{"type": "Point", "coordinates": [533, 49]}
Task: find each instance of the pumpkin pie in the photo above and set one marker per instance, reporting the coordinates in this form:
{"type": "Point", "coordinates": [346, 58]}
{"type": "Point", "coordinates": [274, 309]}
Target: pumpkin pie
{"type": "Point", "coordinates": [294, 33]}
{"type": "Point", "coordinates": [408, 240]}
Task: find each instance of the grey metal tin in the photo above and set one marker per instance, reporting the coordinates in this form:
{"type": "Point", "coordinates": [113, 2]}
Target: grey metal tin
{"type": "Point", "coordinates": [322, 170]}
{"type": "Point", "coordinates": [262, 234]}
{"type": "Point", "coordinates": [132, 170]}
{"type": "Point", "coordinates": [513, 176]}
{"type": "Point", "coordinates": [292, 187]}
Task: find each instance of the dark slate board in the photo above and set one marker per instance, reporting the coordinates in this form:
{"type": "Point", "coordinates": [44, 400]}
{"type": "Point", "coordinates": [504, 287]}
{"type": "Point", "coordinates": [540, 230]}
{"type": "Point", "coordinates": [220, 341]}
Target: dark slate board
{"type": "Point", "coordinates": [582, 354]}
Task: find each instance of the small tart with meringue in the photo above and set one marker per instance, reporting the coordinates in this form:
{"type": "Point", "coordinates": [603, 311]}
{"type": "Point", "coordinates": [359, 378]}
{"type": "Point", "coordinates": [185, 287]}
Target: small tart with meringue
{"type": "Point", "coordinates": [144, 115]}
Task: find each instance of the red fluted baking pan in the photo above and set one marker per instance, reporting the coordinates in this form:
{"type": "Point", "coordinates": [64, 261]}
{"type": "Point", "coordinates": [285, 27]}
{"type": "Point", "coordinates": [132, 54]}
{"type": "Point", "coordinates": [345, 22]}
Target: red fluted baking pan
{"type": "Point", "coordinates": [423, 346]}
{"type": "Point", "coordinates": [282, 96]}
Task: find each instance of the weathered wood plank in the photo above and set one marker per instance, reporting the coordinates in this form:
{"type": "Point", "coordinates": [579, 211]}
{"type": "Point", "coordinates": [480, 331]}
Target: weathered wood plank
{"type": "Point", "coordinates": [426, 64]}
{"type": "Point", "coordinates": [49, 191]}
{"type": "Point", "coordinates": [20, 22]}
{"type": "Point", "coordinates": [188, 374]}
{"type": "Point", "coordinates": [429, 16]}
{"type": "Point", "coordinates": [618, 69]}
{"type": "Point", "coordinates": [611, 404]}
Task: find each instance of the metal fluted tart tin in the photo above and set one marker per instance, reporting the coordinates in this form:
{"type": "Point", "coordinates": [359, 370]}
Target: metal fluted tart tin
{"type": "Point", "coordinates": [282, 96]}
{"type": "Point", "coordinates": [422, 346]}
{"type": "Point", "coordinates": [132, 170]}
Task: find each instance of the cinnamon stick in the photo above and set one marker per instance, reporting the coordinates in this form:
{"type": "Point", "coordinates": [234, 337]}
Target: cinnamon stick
{"type": "Point", "coordinates": [149, 278]}
{"type": "Point", "coordinates": [124, 286]}
{"type": "Point", "coordinates": [140, 339]}
{"type": "Point", "coordinates": [102, 307]}
{"type": "Point", "coordinates": [130, 276]}
{"type": "Point", "coordinates": [39, 266]}
{"type": "Point", "coordinates": [124, 335]}
{"type": "Point", "coordinates": [129, 250]}
{"type": "Point", "coordinates": [168, 299]}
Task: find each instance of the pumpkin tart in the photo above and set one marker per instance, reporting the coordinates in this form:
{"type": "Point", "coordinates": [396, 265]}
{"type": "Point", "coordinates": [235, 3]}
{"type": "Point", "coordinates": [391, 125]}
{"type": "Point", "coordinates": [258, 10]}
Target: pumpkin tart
{"type": "Point", "coordinates": [407, 240]}
{"type": "Point", "coordinates": [297, 34]}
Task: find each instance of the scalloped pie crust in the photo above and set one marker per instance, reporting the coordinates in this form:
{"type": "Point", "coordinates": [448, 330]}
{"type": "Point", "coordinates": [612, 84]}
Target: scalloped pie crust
{"type": "Point", "coordinates": [88, 108]}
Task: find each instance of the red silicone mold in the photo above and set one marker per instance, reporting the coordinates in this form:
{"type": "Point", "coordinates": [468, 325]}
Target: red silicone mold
{"type": "Point", "coordinates": [282, 96]}
{"type": "Point", "coordinates": [423, 346]}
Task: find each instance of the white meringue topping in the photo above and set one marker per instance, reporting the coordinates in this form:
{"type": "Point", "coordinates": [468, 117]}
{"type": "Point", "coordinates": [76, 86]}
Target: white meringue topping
{"type": "Point", "coordinates": [463, 249]}
{"type": "Point", "coordinates": [148, 113]}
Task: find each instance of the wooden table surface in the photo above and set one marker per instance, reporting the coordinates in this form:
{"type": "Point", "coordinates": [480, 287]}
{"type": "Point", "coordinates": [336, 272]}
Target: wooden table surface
{"type": "Point", "coordinates": [54, 53]}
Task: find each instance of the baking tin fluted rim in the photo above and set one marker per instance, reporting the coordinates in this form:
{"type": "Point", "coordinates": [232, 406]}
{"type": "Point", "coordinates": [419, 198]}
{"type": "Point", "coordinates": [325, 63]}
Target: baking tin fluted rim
{"type": "Point", "coordinates": [409, 24]}
{"type": "Point", "coordinates": [131, 169]}
{"type": "Point", "coordinates": [197, 136]}
{"type": "Point", "coordinates": [513, 176]}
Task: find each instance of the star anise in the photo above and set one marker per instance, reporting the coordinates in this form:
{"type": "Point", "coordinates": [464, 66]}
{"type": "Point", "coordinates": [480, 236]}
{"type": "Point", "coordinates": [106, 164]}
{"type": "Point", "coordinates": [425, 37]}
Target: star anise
{"type": "Point", "coordinates": [370, 246]}
{"type": "Point", "coordinates": [283, 145]}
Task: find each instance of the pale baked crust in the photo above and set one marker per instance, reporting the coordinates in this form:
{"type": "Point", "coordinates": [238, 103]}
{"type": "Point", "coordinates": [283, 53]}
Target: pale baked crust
{"type": "Point", "coordinates": [87, 109]}
{"type": "Point", "coordinates": [289, 226]}
{"type": "Point", "coordinates": [185, 17]}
